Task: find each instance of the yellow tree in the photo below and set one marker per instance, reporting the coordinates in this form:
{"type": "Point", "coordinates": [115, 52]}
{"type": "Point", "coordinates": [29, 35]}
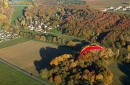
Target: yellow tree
{"type": "Point", "coordinates": [43, 38]}
{"type": "Point", "coordinates": [128, 47]}
{"type": "Point", "coordinates": [44, 73]}
{"type": "Point", "coordinates": [99, 77]}
{"type": "Point", "coordinates": [6, 27]}
{"type": "Point", "coordinates": [6, 5]}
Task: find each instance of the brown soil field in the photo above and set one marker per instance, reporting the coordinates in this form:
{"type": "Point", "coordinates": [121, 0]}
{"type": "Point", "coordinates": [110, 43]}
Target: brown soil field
{"type": "Point", "coordinates": [32, 56]}
{"type": "Point", "coordinates": [105, 3]}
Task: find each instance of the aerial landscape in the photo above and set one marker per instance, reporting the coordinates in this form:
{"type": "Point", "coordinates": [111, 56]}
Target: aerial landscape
{"type": "Point", "coordinates": [64, 42]}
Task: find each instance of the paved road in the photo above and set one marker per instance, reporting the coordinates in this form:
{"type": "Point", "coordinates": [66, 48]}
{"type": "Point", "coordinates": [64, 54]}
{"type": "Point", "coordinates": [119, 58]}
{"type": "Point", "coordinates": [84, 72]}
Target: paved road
{"type": "Point", "coordinates": [24, 72]}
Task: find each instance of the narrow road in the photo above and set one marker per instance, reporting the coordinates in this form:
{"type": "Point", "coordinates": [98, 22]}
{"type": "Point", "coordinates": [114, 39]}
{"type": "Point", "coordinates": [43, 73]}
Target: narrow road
{"type": "Point", "coordinates": [65, 35]}
{"type": "Point", "coordinates": [24, 72]}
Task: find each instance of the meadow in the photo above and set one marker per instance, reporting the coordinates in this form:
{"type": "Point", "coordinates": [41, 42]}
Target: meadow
{"type": "Point", "coordinates": [19, 10]}
{"type": "Point", "coordinates": [120, 72]}
{"type": "Point", "coordinates": [10, 76]}
{"type": "Point", "coordinates": [13, 42]}
{"type": "Point", "coordinates": [32, 56]}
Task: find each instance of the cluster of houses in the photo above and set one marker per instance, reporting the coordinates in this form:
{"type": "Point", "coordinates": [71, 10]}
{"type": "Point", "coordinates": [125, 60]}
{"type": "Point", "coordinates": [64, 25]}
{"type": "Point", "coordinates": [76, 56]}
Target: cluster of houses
{"type": "Point", "coordinates": [43, 27]}
{"type": "Point", "coordinates": [39, 26]}
{"type": "Point", "coordinates": [117, 8]}
{"type": "Point", "coordinates": [5, 35]}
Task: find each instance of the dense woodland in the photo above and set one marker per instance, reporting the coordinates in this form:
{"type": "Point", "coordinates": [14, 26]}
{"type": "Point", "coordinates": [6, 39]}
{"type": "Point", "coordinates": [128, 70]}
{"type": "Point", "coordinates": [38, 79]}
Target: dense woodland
{"type": "Point", "coordinates": [87, 69]}
{"type": "Point", "coordinates": [109, 29]}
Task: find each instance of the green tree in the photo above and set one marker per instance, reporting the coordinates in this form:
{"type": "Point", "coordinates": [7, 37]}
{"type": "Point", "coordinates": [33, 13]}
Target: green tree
{"type": "Point", "coordinates": [44, 73]}
{"type": "Point", "coordinates": [70, 82]}
{"type": "Point", "coordinates": [99, 63]}
{"type": "Point", "coordinates": [128, 48]}
{"type": "Point", "coordinates": [49, 38]}
{"type": "Point", "coordinates": [118, 45]}
{"type": "Point", "coordinates": [21, 33]}
{"type": "Point", "coordinates": [24, 34]}
{"type": "Point", "coordinates": [63, 41]}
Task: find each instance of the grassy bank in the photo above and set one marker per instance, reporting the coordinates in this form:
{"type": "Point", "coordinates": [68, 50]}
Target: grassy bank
{"type": "Point", "coordinates": [120, 72]}
{"type": "Point", "coordinates": [13, 42]}
{"type": "Point", "coordinates": [18, 12]}
{"type": "Point", "coordinates": [10, 76]}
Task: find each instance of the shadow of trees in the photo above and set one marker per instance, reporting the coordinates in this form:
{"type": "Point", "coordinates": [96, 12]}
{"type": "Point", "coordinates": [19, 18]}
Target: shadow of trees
{"type": "Point", "coordinates": [48, 53]}
{"type": "Point", "coordinates": [125, 68]}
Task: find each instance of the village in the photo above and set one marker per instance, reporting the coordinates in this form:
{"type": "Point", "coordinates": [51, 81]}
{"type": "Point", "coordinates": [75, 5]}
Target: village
{"type": "Point", "coordinates": [42, 25]}
{"type": "Point", "coordinates": [39, 27]}
{"type": "Point", "coordinates": [116, 8]}
{"type": "Point", "coordinates": [5, 35]}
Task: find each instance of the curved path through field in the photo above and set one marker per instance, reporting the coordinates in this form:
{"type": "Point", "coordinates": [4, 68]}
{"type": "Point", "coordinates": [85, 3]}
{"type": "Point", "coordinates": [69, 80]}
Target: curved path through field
{"type": "Point", "coordinates": [24, 72]}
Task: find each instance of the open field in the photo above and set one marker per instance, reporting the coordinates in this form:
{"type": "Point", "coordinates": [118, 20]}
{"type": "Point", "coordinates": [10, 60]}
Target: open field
{"type": "Point", "coordinates": [32, 56]}
{"type": "Point", "coordinates": [18, 12]}
{"type": "Point", "coordinates": [10, 76]}
{"type": "Point", "coordinates": [13, 42]}
{"type": "Point", "coordinates": [105, 3]}
{"type": "Point", "coordinates": [121, 73]}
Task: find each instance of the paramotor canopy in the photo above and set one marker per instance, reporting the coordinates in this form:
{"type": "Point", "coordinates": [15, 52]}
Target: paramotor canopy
{"type": "Point", "coordinates": [88, 48]}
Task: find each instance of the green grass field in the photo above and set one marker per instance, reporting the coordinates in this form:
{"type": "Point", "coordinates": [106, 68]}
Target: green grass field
{"type": "Point", "coordinates": [18, 12]}
{"type": "Point", "coordinates": [10, 76]}
{"type": "Point", "coordinates": [54, 30]}
{"type": "Point", "coordinates": [120, 72]}
{"type": "Point", "coordinates": [13, 42]}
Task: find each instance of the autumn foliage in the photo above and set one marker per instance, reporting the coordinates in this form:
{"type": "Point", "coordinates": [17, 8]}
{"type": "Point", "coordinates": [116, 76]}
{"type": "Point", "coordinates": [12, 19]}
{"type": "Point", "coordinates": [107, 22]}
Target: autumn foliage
{"type": "Point", "coordinates": [59, 59]}
{"type": "Point", "coordinates": [68, 69]}
{"type": "Point", "coordinates": [84, 22]}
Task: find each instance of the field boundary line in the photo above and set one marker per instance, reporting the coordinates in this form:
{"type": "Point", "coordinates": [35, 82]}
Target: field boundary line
{"type": "Point", "coordinates": [24, 72]}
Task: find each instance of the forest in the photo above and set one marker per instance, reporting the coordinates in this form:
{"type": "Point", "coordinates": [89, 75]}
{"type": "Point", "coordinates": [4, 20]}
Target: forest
{"type": "Point", "coordinates": [109, 29]}
{"type": "Point", "coordinates": [87, 69]}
